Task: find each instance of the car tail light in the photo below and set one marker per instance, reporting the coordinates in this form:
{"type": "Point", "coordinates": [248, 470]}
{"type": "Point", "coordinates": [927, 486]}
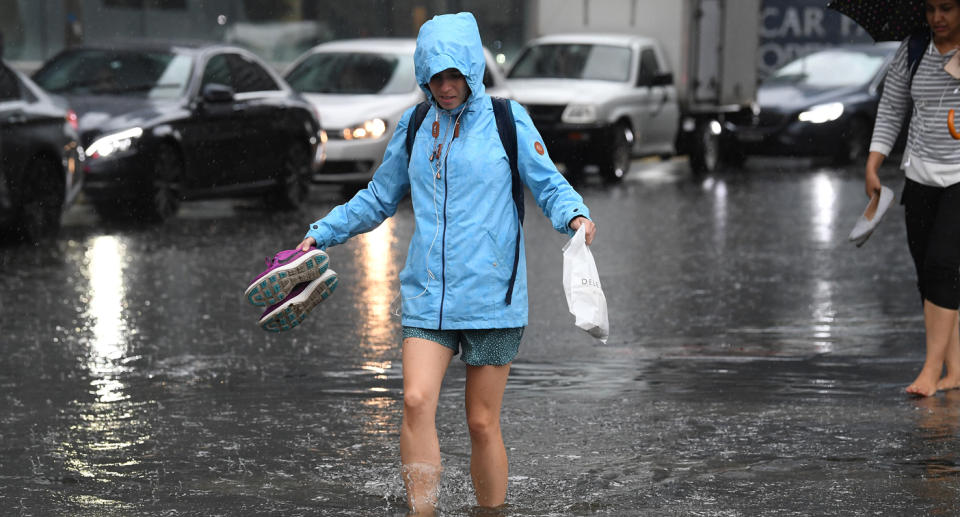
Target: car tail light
{"type": "Point", "coordinates": [72, 119]}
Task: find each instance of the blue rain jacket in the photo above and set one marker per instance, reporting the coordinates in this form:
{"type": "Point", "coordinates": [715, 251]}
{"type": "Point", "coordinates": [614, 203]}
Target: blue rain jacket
{"type": "Point", "coordinates": [461, 256]}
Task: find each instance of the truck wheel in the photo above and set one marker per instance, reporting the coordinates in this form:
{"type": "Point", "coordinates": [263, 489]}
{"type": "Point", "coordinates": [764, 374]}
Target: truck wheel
{"type": "Point", "coordinates": [705, 152]}
{"type": "Point", "coordinates": [616, 164]}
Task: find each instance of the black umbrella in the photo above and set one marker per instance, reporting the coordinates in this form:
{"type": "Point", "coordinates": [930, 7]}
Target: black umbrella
{"type": "Point", "coordinates": [884, 20]}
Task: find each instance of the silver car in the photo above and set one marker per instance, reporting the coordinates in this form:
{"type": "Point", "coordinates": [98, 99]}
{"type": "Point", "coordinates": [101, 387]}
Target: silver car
{"type": "Point", "coordinates": [361, 87]}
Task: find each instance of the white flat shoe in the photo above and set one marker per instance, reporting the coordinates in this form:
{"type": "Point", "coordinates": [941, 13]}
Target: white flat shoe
{"type": "Point", "coordinates": [871, 217]}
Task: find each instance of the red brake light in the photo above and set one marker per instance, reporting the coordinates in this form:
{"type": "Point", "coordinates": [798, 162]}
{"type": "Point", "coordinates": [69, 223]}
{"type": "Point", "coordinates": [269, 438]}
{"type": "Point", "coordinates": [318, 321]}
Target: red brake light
{"type": "Point", "coordinates": [72, 119]}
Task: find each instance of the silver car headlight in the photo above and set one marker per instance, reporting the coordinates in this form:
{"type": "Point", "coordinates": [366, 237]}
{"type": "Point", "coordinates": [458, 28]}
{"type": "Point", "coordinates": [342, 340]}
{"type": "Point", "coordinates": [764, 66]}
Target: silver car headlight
{"type": "Point", "coordinates": [579, 114]}
{"type": "Point", "coordinates": [373, 128]}
{"type": "Point", "coordinates": [113, 143]}
{"type": "Point", "coordinates": [822, 113]}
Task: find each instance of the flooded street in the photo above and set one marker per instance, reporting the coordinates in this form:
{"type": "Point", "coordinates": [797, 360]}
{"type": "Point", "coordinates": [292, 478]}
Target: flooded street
{"type": "Point", "coordinates": [756, 365]}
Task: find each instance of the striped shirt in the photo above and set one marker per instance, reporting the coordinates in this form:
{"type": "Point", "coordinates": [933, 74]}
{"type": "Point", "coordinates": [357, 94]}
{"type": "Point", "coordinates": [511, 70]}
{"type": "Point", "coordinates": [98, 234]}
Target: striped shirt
{"type": "Point", "coordinates": [934, 94]}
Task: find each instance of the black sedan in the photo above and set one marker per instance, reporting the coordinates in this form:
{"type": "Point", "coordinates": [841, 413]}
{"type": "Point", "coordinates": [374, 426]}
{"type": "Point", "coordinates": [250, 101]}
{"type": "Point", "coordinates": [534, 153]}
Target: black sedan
{"type": "Point", "coordinates": [822, 104]}
{"type": "Point", "coordinates": [40, 162]}
{"type": "Point", "coordinates": [164, 122]}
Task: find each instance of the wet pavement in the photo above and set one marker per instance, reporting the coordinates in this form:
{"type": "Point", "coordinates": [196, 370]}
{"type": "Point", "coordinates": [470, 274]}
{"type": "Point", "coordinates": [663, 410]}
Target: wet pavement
{"type": "Point", "coordinates": [755, 365]}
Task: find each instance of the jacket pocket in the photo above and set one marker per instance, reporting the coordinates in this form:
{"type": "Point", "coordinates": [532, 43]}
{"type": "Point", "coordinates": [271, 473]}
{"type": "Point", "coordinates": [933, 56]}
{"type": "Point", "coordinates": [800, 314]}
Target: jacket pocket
{"type": "Point", "coordinates": [497, 251]}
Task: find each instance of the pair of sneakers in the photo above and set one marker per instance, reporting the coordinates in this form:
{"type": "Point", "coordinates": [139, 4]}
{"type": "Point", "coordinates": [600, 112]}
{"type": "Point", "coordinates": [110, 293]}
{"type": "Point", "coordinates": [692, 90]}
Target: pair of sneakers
{"type": "Point", "coordinates": [294, 282]}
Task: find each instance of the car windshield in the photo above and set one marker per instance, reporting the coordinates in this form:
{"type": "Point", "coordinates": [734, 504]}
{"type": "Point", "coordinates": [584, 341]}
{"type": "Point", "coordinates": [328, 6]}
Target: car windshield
{"type": "Point", "coordinates": [149, 74]}
{"type": "Point", "coordinates": [354, 73]}
{"type": "Point", "coordinates": [574, 61]}
{"type": "Point", "coordinates": [829, 69]}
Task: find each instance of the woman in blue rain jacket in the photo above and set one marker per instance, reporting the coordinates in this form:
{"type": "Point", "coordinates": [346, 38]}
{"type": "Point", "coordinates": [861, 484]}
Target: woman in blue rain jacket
{"type": "Point", "coordinates": [460, 259]}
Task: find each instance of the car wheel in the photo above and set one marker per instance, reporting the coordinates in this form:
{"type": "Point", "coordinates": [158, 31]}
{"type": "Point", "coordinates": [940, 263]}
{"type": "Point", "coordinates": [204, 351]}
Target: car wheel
{"type": "Point", "coordinates": [854, 143]}
{"type": "Point", "coordinates": [705, 155]}
{"type": "Point", "coordinates": [41, 202]}
{"type": "Point", "coordinates": [163, 198]}
{"type": "Point", "coordinates": [293, 185]}
{"type": "Point", "coordinates": [616, 163]}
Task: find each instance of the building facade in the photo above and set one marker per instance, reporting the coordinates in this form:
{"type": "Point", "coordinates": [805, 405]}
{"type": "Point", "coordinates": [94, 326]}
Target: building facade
{"type": "Point", "coordinates": [277, 30]}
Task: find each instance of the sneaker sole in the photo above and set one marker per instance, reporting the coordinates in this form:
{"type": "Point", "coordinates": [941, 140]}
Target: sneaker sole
{"type": "Point", "coordinates": [292, 312]}
{"type": "Point", "coordinates": [273, 287]}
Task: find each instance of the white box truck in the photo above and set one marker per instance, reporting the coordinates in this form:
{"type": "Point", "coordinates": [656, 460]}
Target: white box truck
{"type": "Point", "coordinates": [701, 55]}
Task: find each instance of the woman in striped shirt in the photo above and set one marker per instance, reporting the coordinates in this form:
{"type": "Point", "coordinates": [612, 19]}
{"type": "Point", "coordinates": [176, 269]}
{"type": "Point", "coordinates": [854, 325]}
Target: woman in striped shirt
{"type": "Point", "coordinates": [931, 194]}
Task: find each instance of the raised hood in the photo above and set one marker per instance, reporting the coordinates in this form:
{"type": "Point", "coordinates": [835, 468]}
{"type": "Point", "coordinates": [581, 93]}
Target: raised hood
{"type": "Point", "coordinates": [450, 41]}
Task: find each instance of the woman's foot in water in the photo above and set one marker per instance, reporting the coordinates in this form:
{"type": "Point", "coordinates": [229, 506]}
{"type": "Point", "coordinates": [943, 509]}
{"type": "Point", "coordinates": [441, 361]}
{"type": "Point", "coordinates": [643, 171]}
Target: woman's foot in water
{"type": "Point", "coordinates": [422, 481]}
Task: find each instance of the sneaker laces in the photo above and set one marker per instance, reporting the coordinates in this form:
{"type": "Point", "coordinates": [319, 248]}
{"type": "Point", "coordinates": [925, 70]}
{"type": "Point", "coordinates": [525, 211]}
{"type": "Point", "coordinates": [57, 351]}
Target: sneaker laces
{"type": "Point", "coordinates": [280, 257]}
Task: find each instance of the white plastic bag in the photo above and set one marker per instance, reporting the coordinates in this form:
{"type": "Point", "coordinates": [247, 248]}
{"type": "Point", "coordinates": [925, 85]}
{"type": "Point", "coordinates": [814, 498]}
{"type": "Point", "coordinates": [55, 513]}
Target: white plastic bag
{"type": "Point", "coordinates": [581, 284]}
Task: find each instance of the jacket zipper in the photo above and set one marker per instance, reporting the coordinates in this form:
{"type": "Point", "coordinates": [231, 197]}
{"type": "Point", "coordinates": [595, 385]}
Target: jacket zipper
{"type": "Point", "coordinates": [443, 244]}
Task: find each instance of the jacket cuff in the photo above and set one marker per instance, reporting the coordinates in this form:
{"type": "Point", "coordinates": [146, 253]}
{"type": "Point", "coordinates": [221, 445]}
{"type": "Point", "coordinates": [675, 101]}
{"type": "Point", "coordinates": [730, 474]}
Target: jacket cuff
{"type": "Point", "coordinates": [573, 214]}
{"type": "Point", "coordinates": [316, 231]}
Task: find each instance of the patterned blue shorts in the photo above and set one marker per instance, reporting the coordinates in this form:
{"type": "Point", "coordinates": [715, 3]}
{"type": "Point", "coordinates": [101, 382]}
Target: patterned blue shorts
{"type": "Point", "coordinates": [481, 347]}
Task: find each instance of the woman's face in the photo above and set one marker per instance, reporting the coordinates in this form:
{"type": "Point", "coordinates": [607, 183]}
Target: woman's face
{"type": "Point", "coordinates": [449, 88]}
{"type": "Point", "coordinates": [943, 16]}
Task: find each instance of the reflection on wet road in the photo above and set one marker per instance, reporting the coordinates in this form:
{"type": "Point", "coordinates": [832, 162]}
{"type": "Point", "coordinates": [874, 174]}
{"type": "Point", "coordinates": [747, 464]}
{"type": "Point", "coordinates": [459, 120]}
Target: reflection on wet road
{"type": "Point", "coordinates": [755, 365]}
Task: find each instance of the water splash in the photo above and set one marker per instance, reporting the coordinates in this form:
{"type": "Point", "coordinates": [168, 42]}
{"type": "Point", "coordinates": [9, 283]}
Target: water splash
{"type": "Point", "coordinates": [423, 486]}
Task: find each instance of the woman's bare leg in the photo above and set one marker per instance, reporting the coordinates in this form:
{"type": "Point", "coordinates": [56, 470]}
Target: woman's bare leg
{"type": "Point", "coordinates": [424, 365]}
{"type": "Point", "coordinates": [940, 323]}
{"type": "Point", "coordinates": [951, 380]}
{"type": "Point", "coordinates": [488, 457]}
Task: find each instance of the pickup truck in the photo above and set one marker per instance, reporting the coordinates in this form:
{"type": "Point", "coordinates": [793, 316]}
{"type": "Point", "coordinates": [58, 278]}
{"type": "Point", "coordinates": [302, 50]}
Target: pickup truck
{"type": "Point", "coordinates": [667, 84]}
{"type": "Point", "coordinates": [598, 99]}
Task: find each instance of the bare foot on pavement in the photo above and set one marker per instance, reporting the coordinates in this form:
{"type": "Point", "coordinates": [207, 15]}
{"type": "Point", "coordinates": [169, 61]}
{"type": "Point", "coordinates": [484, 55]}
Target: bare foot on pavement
{"type": "Point", "coordinates": [950, 382]}
{"type": "Point", "coordinates": [925, 385]}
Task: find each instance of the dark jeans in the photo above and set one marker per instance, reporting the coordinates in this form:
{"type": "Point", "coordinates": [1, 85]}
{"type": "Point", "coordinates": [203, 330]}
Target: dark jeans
{"type": "Point", "coordinates": [933, 234]}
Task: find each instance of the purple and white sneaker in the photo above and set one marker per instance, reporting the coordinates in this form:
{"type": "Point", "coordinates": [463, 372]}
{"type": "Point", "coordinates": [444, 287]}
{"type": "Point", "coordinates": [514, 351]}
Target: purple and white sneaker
{"type": "Point", "coordinates": [302, 299]}
{"type": "Point", "coordinates": [284, 271]}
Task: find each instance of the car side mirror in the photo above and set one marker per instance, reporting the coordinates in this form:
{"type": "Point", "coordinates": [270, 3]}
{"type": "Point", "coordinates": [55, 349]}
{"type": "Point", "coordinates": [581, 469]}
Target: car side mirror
{"type": "Point", "coordinates": [664, 79]}
{"type": "Point", "coordinates": [217, 93]}
{"type": "Point", "coordinates": [661, 79]}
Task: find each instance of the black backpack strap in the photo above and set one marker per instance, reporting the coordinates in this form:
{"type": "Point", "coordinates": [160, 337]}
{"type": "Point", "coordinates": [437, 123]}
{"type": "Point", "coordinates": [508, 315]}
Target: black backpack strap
{"type": "Point", "coordinates": [413, 125]}
{"type": "Point", "coordinates": [507, 128]}
{"type": "Point", "coordinates": [916, 47]}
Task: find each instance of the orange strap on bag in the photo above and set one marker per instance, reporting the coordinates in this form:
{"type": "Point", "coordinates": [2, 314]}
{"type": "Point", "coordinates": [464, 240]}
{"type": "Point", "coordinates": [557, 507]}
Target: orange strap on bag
{"type": "Point", "coordinates": [953, 131]}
